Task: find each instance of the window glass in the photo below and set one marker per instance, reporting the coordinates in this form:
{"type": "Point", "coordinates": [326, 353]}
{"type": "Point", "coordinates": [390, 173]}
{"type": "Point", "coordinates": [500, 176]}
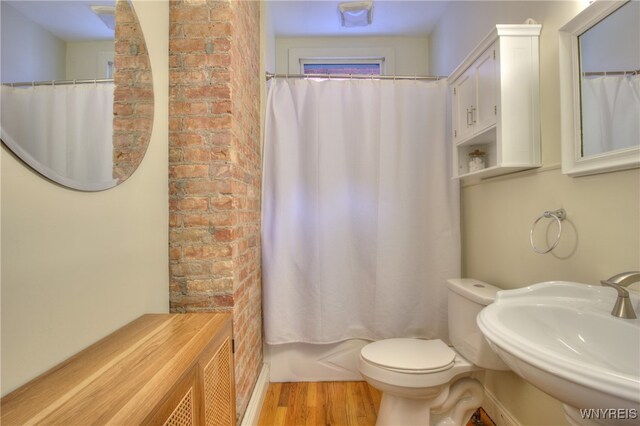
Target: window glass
{"type": "Point", "coordinates": [352, 68]}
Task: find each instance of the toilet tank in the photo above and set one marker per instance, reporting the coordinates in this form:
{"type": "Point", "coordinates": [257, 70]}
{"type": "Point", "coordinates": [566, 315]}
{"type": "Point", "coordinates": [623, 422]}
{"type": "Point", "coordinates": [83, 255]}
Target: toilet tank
{"type": "Point", "coordinates": [466, 298]}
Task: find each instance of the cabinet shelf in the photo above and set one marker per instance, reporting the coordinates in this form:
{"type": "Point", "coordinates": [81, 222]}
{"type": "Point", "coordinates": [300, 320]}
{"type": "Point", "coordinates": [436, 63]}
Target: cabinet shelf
{"type": "Point", "coordinates": [489, 135]}
{"type": "Point", "coordinates": [495, 103]}
{"type": "Point", "coordinates": [492, 171]}
{"type": "Point", "coordinates": [486, 172]}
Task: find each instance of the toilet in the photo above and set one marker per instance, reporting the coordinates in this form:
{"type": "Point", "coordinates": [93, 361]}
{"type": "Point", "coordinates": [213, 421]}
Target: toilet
{"type": "Point", "coordinates": [427, 382]}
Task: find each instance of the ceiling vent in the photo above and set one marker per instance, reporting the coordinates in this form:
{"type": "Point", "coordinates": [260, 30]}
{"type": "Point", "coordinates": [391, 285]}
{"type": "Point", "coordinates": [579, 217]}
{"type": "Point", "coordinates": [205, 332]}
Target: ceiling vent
{"type": "Point", "coordinates": [356, 13]}
{"type": "Point", "coordinates": [107, 14]}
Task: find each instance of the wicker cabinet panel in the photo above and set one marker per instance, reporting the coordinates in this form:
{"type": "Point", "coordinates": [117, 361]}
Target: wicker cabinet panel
{"type": "Point", "coordinates": [218, 389]}
{"type": "Point", "coordinates": [184, 413]}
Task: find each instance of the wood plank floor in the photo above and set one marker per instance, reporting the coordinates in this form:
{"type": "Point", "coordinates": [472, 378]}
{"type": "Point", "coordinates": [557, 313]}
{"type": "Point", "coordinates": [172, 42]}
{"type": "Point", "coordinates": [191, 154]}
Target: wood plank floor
{"type": "Point", "coordinates": [321, 403]}
{"type": "Point", "coordinates": [327, 403]}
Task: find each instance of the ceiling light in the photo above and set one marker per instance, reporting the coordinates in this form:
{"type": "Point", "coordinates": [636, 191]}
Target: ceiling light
{"type": "Point", "coordinates": [106, 14]}
{"type": "Point", "coordinates": [356, 13]}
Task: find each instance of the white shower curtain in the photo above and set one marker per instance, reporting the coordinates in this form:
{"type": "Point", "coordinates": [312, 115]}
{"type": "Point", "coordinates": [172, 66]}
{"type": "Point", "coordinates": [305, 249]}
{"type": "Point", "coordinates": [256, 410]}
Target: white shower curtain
{"type": "Point", "coordinates": [64, 132]}
{"type": "Point", "coordinates": [360, 216]}
{"type": "Point", "coordinates": [610, 113]}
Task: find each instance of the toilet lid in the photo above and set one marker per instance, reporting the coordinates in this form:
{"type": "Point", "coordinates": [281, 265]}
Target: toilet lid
{"type": "Point", "coordinates": [410, 355]}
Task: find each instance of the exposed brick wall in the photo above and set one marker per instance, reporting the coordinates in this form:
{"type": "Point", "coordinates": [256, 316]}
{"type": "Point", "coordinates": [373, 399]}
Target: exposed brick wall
{"type": "Point", "coordinates": [245, 141]}
{"type": "Point", "coordinates": [133, 95]}
{"type": "Point", "coordinates": [214, 171]}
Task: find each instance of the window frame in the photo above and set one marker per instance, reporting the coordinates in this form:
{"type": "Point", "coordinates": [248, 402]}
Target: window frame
{"type": "Point", "coordinates": [385, 57]}
{"type": "Point", "coordinates": [343, 61]}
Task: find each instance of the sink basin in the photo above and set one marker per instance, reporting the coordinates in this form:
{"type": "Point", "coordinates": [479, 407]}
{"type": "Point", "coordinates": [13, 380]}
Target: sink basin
{"type": "Point", "coordinates": [561, 337]}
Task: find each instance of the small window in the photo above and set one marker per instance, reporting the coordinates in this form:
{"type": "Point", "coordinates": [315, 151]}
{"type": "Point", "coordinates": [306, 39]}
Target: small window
{"type": "Point", "coordinates": [346, 68]}
{"type": "Point", "coordinates": [344, 65]}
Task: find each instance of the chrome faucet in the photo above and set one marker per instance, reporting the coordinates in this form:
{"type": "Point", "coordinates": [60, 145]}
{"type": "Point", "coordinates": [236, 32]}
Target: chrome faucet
{"type": "Point", "coordinates": [623, 307]}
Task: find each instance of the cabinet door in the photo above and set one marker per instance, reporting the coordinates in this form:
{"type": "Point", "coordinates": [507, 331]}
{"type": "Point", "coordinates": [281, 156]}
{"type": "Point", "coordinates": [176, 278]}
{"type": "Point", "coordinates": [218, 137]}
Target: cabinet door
{"type": "Point", "coordinates": [464, 99]}
{"type": "Point", "coordinates": [182, 405]}
{"type": "Point", "coordinates": [485, 107]}
{"type": "Point", "coordinates": [218, 385]}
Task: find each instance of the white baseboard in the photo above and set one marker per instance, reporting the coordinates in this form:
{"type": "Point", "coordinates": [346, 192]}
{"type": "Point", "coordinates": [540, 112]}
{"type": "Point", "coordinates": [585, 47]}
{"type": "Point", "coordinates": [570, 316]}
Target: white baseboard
{"type": "Point", "coordinates": [252, 413]}
{"type": "Point", "coordinates": [498, 412]}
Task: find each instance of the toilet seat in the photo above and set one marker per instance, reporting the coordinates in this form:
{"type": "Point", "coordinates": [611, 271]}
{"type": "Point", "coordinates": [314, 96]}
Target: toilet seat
{"type": "Point", "coordinates": [410, 356]}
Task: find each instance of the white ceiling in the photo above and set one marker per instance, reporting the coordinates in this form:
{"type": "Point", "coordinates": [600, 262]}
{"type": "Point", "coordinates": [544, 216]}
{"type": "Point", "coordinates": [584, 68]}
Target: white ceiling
{"type": "Point", "coordinates": [68, 20]}
{"type": "Point", "coordinates": [74, 20]}
{"type": "Point", "coordinates": [321, 18]}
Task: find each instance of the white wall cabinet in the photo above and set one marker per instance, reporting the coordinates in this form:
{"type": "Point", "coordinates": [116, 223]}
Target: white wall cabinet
{"type": "Point", "coordinates": [475, 97]}
{"type": "Point", "coordinates": [495, 103]}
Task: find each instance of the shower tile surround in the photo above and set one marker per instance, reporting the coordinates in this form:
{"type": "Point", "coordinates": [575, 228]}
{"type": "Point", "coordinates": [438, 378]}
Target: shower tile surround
{"type": "Point", "coordinates": [214, 171]}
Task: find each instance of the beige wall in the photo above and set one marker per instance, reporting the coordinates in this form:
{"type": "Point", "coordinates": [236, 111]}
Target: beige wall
{"type": "Point", "coordinates": [88, 59]}
{"type": "Point", "coordinates": [267, 39]}
{"type": "Point", "coordinates": [29, 52]}
{"type": "Point", "coordinates": [76, 266]}
{"type": "Point", "coordinates": [410, 53]}
{"type": "Point", "coordinates": [601, 235]}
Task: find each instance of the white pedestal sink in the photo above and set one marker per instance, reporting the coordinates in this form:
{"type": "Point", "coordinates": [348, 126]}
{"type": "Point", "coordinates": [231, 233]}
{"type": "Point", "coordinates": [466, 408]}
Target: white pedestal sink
{"type": "Point", "coordinates": [561, 337]}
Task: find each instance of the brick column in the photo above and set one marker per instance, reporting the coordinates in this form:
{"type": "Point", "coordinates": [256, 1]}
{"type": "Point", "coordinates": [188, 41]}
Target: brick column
{"type": "Point", "coordinates": [215, 171]}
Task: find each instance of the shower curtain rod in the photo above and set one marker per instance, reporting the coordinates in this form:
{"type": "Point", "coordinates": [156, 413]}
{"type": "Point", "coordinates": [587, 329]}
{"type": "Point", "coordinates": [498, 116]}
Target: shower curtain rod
{"type": "Point", "coordinates": [606, 73]}
{"type": "Point", "coordinates": [269, 76]}
{"type": "Point", "coordinates": [58, 82]}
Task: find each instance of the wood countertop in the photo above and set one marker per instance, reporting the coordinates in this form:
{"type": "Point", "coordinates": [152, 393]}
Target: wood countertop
{"type": "Point", "coordinates": [119, 379]}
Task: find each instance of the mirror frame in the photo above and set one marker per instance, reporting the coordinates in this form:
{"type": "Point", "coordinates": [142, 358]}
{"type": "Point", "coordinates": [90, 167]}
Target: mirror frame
{"type": "Point", "coordinates": [573, 163]}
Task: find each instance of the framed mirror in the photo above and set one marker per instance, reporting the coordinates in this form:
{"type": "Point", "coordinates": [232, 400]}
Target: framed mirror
{"type": "Point", "coordinates": [77, 91]}
{"type": "Point", "coordinates": [600, 88]}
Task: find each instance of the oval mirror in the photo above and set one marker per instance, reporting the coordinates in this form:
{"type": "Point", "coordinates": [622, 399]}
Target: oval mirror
{"type": "Point", "coordinates": [77, 93]}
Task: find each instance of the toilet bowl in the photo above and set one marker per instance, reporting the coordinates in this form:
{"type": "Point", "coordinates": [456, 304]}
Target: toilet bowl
{"type": "Point", "coordinates": [426, 382]}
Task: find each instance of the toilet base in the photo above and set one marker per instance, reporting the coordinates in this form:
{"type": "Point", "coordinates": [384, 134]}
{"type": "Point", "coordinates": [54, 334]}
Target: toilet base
{"type": "Point", "coordinates": [397, 410]}
{"type": "Point", "coordinates": [452, 406]}
{"type": "Point", "coordinates": [401, 410]}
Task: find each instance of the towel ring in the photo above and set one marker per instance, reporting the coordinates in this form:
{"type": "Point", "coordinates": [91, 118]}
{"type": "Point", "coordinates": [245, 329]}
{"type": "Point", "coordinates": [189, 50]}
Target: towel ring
{"type": "Point", "coordinates": [559, 215]}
